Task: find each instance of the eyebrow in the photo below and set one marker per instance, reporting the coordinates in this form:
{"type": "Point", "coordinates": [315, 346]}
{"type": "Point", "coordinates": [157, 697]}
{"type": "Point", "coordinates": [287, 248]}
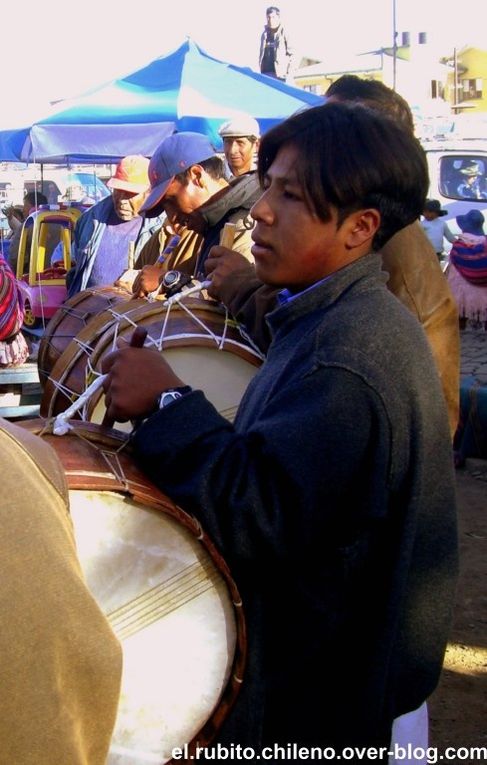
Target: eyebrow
{"type": "Point", "coordinates": [282, 179]}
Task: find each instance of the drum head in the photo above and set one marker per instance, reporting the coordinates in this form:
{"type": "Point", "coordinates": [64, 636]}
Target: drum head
{"type": "Point", "coordinates": [205, 349]}
{"type": "Point", "coordinates": [74, 314]}
{"type": "Point", "coordinates": [165, 590]}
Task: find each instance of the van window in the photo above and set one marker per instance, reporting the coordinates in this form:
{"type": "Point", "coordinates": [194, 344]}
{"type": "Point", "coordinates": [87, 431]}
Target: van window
{"type": "Point", "coordinates": [463, 176]}
{"type": "Point", "coordinates": [50, 189]}
{"type": "Point", "coordinates": [69, 187]}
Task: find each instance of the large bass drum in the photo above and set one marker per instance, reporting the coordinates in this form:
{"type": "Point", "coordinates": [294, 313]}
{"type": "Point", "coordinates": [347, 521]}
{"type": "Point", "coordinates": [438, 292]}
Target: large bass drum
{"type": "Point", "coordinates": [198, 339]}
{"type": "Point", "coordinates": [71, 318]}
{"type": "Point", "coordinates": [166, 591]}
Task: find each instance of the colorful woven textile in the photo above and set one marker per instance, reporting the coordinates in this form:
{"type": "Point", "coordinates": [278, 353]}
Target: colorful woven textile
{"type": "Point", "coordinates": [469, 256]}
{"type": "Point", "coordinates": [11, 306]}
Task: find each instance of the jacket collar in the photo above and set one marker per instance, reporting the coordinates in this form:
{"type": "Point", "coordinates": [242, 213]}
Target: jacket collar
{"type": "Point", "coordinates": [357, 275]}
{"type": "Point", "coordinates": [240, 194]}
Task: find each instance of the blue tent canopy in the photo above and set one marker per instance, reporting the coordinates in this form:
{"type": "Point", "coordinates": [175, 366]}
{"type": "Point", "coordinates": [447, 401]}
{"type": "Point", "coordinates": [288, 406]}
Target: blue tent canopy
{"type": "Point", "coordinates": [185, 90]}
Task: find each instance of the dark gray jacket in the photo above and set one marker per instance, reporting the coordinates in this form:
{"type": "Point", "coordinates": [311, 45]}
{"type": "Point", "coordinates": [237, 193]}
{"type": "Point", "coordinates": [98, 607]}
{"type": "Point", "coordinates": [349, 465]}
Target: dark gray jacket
{"type": "Point", "coordinates": [332, 499]}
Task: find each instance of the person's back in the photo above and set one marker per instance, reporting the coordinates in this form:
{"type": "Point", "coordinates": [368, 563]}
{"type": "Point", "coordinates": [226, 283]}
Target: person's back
{"type": "Point", "coordinates": [61, 663]}
{"type": "Point", "coordinates": [415, 276]}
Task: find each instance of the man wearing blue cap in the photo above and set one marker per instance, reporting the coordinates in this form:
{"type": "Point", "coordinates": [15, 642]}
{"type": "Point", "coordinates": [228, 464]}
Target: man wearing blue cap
{"type": "Point", "coordinates": [187, 179]}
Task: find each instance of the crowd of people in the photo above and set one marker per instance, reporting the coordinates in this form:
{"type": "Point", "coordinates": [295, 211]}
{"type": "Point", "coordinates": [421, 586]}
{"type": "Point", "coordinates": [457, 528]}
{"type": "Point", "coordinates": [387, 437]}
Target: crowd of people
{"type": "Point", "coordinates": [332, 495]}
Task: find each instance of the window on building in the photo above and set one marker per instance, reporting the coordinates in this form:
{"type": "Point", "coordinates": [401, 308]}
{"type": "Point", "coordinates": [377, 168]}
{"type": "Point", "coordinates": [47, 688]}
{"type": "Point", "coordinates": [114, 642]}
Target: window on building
{"type": "Point", "coordinates": [437, 89]}
{"type": "Point", "coordinates": [470, 88]}
{"type": "Point", "coordinates": [316, 89]}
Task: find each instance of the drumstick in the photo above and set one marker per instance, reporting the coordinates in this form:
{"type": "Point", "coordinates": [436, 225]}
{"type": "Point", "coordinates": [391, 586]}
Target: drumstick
{"type": "Point", "coordinates": [226, 240]}
{"type": "Point", "coordinates": [170, 246]}
{"type": "Point", "coordinates": [136, 341]}
{"type": "Point", "coordinates": [228, 235]}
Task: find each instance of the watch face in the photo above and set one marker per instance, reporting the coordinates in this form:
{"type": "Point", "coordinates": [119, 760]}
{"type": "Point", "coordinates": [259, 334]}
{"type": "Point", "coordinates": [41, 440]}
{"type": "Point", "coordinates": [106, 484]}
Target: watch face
{"type": "Point", "coordinates": [172, 394]}
{"type": "Point", "coordinates": [171, 278]}
{"type": "Point", "coordinates": [167, 397]}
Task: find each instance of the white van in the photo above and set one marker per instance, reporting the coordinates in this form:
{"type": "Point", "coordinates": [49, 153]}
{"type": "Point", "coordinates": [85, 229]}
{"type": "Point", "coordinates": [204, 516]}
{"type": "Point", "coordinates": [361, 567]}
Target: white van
{"type": "Point", "coordinates": [57, 184]}
{"type": "Point", "coordinates": [458, 177]}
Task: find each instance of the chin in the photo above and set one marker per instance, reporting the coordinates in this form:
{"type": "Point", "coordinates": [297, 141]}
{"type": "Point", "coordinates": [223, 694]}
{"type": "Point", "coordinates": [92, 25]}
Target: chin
{"type": "Point", "coordinates": [269, 277]}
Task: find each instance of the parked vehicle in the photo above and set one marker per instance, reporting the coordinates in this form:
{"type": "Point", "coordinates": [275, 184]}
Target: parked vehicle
{"type": "Point", "coordinates": [57, 184]}
{"type": "Point", "coordinates": [458, 177]}
{"type": "Point", "coordinates": [42, 281]}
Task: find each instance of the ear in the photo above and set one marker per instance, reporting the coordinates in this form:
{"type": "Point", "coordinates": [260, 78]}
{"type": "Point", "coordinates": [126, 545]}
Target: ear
{"type": "Point", "coordinates": [196, 175]}
{"type": "Point", "coordinates": [361, 227]}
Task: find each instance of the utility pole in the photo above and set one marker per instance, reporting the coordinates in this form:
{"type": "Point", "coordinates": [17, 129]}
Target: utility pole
{"type": "Point", "coordinates": [394, 45]}
{"type": "Point", "coordinates": [455, 81]}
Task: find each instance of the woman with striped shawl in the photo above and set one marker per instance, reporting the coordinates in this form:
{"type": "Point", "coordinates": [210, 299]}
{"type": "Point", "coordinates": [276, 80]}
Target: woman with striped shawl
{"type": "Point", "coordinates": [13, 347]}
{"type": "Point", "coordinates": [467, 270]}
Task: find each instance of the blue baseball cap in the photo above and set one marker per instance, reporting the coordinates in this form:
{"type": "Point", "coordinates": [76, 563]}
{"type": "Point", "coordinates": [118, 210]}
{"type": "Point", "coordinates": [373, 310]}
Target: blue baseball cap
{"type": "Point", "coordinates": [174, 155]}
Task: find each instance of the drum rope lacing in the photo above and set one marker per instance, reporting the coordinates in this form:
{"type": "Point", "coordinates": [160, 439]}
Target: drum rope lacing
{"type": "Point", "coordinates": [157, 343]}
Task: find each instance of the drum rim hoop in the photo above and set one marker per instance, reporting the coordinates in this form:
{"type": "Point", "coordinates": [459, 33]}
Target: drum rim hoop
{"type": "Point", "coordinates": [93, 432]}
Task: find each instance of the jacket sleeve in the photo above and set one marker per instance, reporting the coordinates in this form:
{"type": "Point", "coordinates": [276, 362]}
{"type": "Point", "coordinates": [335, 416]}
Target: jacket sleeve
{"type": "Point", "coordinates": [249, 300]}
{"type": "Point", "coordinates": [289, 52]}
{"type": "Point", "coordinates": [416, 279]}
{"type": "Point", "coordinates": [252, 489]}
{"type": "Point", "coordinates": [78, 255]}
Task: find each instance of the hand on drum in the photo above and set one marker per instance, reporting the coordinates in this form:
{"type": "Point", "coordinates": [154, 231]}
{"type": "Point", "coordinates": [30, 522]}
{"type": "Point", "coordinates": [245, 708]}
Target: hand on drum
{"type": "Point", "coordinates": [146, 281]}
{"type": "Point", "coordinates": [135, 379]}
{"type": "Point", "coordinates": [221, 264]}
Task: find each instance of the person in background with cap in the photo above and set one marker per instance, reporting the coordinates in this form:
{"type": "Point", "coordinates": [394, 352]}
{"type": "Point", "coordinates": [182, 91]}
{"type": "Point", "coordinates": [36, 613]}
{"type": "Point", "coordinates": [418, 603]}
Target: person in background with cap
{"type": "Point", "coordinates": [240, 144]}
{"type": "Point", "coordinates": [473, 185]}
{"type": "Point", "coordinates": [436, 229]}
{"type": "Point", "coordinates": [467, 270]}
{"type": "Point", "coordinates": [188, 180]}
{"type": "Point", "coordinates": [276, 52]}
{"type": "Point", "coordinates": [105, 234]}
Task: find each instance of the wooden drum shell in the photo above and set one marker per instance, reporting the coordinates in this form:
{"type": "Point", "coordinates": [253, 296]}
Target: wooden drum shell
{"type": "Point", "coordinates": [98, 465]}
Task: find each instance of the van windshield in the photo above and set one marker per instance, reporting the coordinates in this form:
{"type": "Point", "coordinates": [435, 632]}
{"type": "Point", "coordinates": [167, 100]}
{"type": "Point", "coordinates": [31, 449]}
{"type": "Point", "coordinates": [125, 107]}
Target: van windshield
{"type": "Point", "coordinates": [70, 187]}
{"type": "Point", "coordinates": [463, 176]}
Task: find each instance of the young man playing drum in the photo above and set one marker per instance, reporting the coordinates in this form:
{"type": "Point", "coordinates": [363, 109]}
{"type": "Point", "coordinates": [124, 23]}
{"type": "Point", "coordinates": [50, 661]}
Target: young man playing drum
{"type": "Point", "coordinates": [331, 497]}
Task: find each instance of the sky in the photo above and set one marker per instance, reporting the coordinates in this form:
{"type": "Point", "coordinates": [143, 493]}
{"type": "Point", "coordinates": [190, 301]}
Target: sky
{"type": "Point", "coordinates": [59, 50]}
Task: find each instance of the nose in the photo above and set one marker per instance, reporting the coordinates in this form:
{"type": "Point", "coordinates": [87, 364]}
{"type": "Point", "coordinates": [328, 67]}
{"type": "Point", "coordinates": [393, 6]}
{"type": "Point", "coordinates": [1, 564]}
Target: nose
{"type": "Point", "coordinates": [261, 209]}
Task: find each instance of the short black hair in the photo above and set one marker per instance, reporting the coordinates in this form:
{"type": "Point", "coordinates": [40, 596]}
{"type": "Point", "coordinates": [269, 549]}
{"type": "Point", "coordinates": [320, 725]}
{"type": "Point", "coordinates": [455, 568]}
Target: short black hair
{"type": "Point", "coordinates": [272, 8]}
{"type": "Point", "coordinates": [374, 94]}
{"type": "Point", "coordinates": [214, 166]}
{"type": "Point", "coordinates": [35, 198]}
{"type": "Point", "coordinates": [352, 157]}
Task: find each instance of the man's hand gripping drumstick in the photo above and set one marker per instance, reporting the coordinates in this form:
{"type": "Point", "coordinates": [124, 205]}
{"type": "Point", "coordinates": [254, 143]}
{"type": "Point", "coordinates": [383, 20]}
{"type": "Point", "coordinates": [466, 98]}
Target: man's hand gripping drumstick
{"type": "Point", "coordinates": [135, 378]}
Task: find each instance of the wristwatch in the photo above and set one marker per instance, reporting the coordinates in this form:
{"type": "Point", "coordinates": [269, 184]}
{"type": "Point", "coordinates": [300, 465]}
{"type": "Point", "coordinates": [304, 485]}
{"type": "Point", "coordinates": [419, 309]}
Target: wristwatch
{"type": "Point", "coordinates": [172, 394]}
